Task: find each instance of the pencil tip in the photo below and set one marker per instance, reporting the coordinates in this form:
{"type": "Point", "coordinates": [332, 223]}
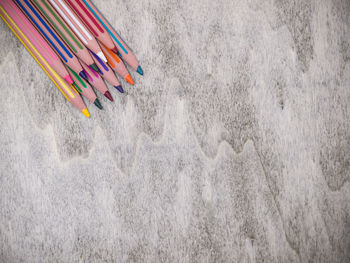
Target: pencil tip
{"type": "Point", "coordinates": [69, 79]}
{"type": "Point", "coordinates": [83, 75]}
{"type": "Point", "coordinates": [119, 88]}
{"type": "Point", "coordinates": [86, 113]}
{"type": "Point", "coordinates": [115, 50]}
{"type": "Point", "coordinates": [102, 56]}
{"type": "Point", "coordinates": [129, 79]}
{"type": "Point", "coordinates": [139, 70]}
{"type": "Point", "coordinates": [95, 67]}
{"type": "Point", "coordinates": [108, 95]}
{"type": "Point", "coordinates": [98, 104]}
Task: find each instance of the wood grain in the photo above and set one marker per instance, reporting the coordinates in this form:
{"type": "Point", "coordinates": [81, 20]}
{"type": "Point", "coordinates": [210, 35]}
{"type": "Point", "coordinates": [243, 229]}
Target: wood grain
{"type": "Point", "coordinates": [234, 146]}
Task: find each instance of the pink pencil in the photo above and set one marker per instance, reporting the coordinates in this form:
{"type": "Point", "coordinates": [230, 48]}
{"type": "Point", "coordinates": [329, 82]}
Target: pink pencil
{"type": "Point", "coordinates": [36, 39]}
{"type": "Point", "coordinates": [69, 93]}
{"type": "Point", "coordinates": [117, 64]}
{"type": "Point", "coordinates": [97, 82]}
{"type": "Point", "coordinates": [77, 26]}
{"type": "Point", "coordinates": [91, 22]}
{"type": "Point", "coordinates": [64, 31]}
{"type": "Point", "coordinates": [50, 35]}
{"type": "Point", "coordinates": [107, 73]}
{"type": "Point", "coordinates": [123, 50]}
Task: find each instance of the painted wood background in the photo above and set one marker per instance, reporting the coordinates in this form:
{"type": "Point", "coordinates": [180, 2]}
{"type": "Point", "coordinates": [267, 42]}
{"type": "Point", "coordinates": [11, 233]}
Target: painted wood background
{"type": "Point", "coordinates": [234, 146]}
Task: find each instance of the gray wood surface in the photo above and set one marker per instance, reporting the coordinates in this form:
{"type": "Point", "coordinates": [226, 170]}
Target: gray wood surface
{"type": "Point", "coordinates": [234, 146]}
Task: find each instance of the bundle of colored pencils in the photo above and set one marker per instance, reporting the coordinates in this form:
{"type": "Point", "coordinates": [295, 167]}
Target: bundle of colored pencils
{"type": "Point", "coordinates": [74, 44]}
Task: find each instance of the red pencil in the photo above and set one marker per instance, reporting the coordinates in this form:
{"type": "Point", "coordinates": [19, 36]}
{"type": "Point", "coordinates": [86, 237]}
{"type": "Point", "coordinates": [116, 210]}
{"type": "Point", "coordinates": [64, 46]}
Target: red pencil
{"type": "Point", "coordinates": [91, 22]}
{"type": "Point", "coordinates": [77, 26]}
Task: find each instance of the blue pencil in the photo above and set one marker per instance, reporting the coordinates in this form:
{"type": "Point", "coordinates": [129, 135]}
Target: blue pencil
{"type": "Point", "coordinates": [50, 35]}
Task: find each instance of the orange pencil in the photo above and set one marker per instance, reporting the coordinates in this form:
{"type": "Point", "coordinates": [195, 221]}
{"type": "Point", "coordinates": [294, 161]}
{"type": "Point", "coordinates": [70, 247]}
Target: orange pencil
{"type": "Point", "coordinates": [121, 47]}
{"type": "Point", "coordinates": [117, 64]}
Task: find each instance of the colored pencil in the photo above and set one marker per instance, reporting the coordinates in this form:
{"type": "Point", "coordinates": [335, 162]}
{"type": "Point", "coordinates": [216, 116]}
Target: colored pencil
{"type": "Point", "coordinates": [69, 93]}
{"type": "Point", "coordinates": [91, 22]}
{"type": "Point", "coordinates": [85, 89]}
{"type": "Point", "coordinates": [97, 82]}
{"type": "Point", "coordinates": [123, 50]}
{"type": "Point", "coordinates": [117, 64]}
{"type": "Point", "coordinates": [64, 31]}
{"type": "Point", "coordinates": [51, 36]}
{"type": "Point", "coordinates": [107, 73]}
{"type": "Point", "coordinates": [36, 39]}
{"type": "Point", "coordinates": [78, 27]}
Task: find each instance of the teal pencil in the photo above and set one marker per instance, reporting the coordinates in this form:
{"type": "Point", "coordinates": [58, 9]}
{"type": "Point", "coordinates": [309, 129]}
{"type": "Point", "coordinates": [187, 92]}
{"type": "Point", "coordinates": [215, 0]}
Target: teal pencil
{"type": "Point", "coordinates": [122, 48]}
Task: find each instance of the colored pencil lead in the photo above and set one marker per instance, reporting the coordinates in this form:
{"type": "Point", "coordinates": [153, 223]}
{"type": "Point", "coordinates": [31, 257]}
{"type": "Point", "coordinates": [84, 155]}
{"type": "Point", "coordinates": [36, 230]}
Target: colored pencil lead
{"type": "Point", "coordinates": [102, 56]}
{"type": "Point", "coordinates": [98, 104]}
{"type": "Point", "coordinates": [83, 75]}
{"type": "Point", "coordinates": [86, 113]}
{"type": "Point", "coordinates": [129, 79]}
{"type": "Point", "coordinates": [139, 70]}
{"type": "Point", "coordinates": [69, 79]}
{"type": "Point", "coordinates": [120, 89]}
{"type": "Point", "coordinates": [95, 67]}
{"type": "Point", "coordinates": [108, 96]}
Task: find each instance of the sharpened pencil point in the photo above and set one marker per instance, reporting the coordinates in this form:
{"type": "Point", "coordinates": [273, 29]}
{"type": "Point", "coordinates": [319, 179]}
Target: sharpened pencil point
{"type": "Point", "coordinates": [129, 79]}
{"type": "Point", "coordinates": [102, 56]}
{"type": "Point", "coordinates": [69, 79]}
{"type": "Point", "coordinates": [83, 75]}
{"type": "Point", "coordinates": [119, 88]}
{"type": "Point", "coordinates": [139, 70]}
{"type": "Point", "coordinates": [95, 67]}
{"type": "Point", "coordinates": [86, 113]}
{"type": "Point", "coordinates": [115, 50]}
{"type": "Point", "coordinates": [98, 104]}
{"type": "Point", "coordinates": [108, 95]}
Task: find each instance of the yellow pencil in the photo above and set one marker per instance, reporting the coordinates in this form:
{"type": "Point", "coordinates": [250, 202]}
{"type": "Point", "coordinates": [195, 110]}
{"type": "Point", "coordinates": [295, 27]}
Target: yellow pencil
{"type": "Point", "coordinates": [68, 91]}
